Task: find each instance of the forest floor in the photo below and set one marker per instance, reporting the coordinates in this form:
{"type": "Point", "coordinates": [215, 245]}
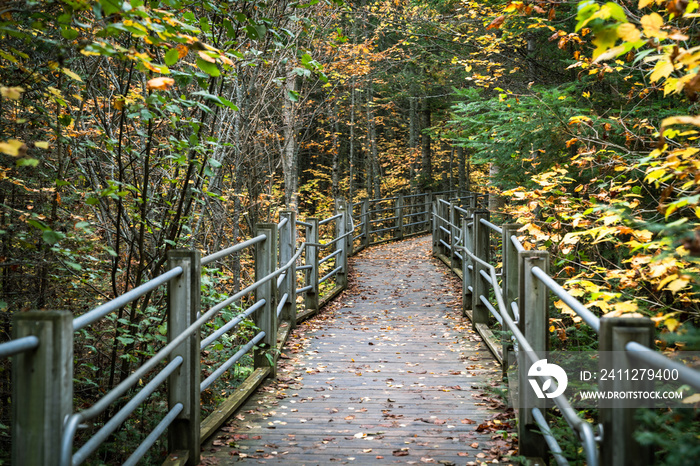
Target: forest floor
{"type": "Point", "coordinates": [390, 372]}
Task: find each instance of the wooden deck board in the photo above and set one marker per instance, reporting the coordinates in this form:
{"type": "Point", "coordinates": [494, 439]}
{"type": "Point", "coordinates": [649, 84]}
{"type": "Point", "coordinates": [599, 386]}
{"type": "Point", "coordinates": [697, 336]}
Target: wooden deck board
{"type": "Point", "coordinates": [391, 373]}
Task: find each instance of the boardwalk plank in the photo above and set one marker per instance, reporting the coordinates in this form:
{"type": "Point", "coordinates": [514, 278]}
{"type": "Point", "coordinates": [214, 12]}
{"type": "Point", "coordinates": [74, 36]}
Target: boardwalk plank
{"type": "Point", "coordinates": [391, 373]}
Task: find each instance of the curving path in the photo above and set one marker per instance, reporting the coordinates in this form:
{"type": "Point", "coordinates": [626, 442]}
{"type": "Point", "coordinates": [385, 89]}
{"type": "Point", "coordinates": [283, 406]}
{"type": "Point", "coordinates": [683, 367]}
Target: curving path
{"type": "Point", "coordinates": [388, 373]}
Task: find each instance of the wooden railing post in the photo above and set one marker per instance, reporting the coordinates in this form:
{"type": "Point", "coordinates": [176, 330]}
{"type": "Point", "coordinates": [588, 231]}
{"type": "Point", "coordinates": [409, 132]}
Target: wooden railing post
{"type": "Point", "coordinates": [618, 445]}
{"type": "Point", "coordinates": [398, 213]}
{"type": "Point", "coordinates": [349, 226]}
{"type": "Point", "coordinates": [533, 299]}
{"type": "Point", "coordinates": [482, 250]}
{"type": "Point", "coordinates": [366, 226]}
{"type": "Point", "coordinates": [435, 226]}
{"type": "Point", "coordinates": [341, 278]}
{"type": "Point", "coordinates": [287, 244]}
{"type": "Point", "coordinates": [510, 267]}
{"type": "Point", "coordinates": [42, 387]}
{"type": "Point", "coordinates": [454, 230]}
{"type": "Point", "coordinates": [428, 208]}
{"type": "Point", "coordinates": [467, 266]}
{"type": "Point", "coordinates": [266, 317]}
{"type": "Point", "coordinates": [509, 258]}
{"type": "Point", "coordinates": [184, 301]}
{"type": "Point", "coordinates": [311, 297]}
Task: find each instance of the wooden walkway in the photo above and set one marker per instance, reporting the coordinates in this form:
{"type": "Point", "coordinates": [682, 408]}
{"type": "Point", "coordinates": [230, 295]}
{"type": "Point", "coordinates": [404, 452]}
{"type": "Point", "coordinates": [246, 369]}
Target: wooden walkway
{"type": "Point", "coordinates": [389, 373]}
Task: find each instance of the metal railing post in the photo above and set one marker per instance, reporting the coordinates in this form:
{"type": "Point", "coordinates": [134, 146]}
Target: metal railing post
{"type": "Point", "coordinates": [533, 296]}
{"type": "Point", "coordinates": [183, 386]}
{"type": "Point", "coordinates": [287, 245]}
{"type": "Point", "coordinates": [366, 227]}
{"type": "Point", "coordinates": [311, 298]}
{"type": "Point", "coordinates": [42, 387]}
{"type": "Point", "coordinates": [398, 212]}
{"type": "Point", "coordinates": [341, 278]}
{"type": "Point", "coordinates": [482, 250]}
{"type": "Point", "coordinates": [618, 445]}
{"type": "Point", "coordinates": [266, 317]}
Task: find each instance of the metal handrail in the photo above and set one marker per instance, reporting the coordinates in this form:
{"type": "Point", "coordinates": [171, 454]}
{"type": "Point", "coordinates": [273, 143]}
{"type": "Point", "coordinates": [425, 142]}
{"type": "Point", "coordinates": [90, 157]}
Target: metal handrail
{"type": "Point", "coordinates": [330, 274]}
{"type": "Point", "coordinates": [116, 420]}
{"type": "Point", "coordinates": [233, 360]}
{"type": "Point", "coordinates": [330, 256]}
{"type": "Point", "coordinates": [228, 251]}
{"type": "Point", "coordinates": [380, 220]}
{"type": "Point", "coordinates": [231, 324]}
{"type": "Point", "coordinates": [591, 319]}
{"type": "Point", "coordinates": [549, 438]}
{"type": "Point", "coordinates": [154, 435]}
{"type": "Point", "coordinates": [160, 359]}
{"type": "Point", "coordinates": [281, 304]}
{"type": "Point", "coordinates": [490, 225]}
{"type": "Point", "coordinates": [19, 345]}
{"type": "Point", "coordinates": [583, 428]}
{"type": "Point", "coordinates": [99, 312]}
{"type": "Point", "coordinates": [329, 219]}
{"type": "Point", "coordinates": [114, 394]}
{"type": "Point", "coordinates": [641, 353]}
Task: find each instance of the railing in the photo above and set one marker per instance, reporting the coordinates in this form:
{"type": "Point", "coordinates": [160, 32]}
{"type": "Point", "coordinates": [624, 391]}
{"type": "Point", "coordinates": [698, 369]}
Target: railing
{"type": "Point", "coordinates": [393, 218]}
{"type": "Point", "coordinates": [516, 296]}
{"type": "Point", "coordinates": [45, 422]}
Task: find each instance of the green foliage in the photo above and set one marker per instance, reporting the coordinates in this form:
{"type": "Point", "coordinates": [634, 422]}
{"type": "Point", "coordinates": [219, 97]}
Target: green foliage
{"type": "Point", "coordinates": [672, 433]}
{"type": "Point", "coordinates": [520, 134]}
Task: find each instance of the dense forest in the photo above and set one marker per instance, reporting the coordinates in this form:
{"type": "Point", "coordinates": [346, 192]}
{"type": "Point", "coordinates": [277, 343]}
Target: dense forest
{"type": "Point", "coordinates": [131, 128]}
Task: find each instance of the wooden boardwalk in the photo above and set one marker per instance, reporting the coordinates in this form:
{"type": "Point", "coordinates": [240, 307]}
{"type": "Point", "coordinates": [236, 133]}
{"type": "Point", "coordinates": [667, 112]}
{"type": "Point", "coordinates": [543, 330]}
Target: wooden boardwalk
{"type": "Point", "coordinates": [389, 373]}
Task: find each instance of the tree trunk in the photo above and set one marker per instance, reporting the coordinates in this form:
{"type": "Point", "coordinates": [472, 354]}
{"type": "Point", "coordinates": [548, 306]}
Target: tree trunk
{"type": "Point", "coordinates": [461, 170]}
{"type": "Point", "coordinates": [426, 155]}
{"type": "Point", "coordinates": [413, 141]}
{"type": "Point", "coordinates": [495, 201]}
{"type": "Point", "coordinates": [373, 182]}
{"type": "Point", "coordinates": [351, 156]}
{"type": "Point", "coordinates": [335, 175]}
{"type": "Point", "coordinates": [289, 150]}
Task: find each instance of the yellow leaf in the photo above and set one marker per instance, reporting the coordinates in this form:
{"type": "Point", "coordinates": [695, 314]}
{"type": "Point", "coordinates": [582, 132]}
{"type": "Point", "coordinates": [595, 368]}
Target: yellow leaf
{"type": "Point", "coordinates": [678, 284]}
{"type": "Point", "coordinates": [652, 26]}
{"type": "Point", "coordinates": [12, 147]}
{"type": "Point", "coordinates": [12, 93]}
{"type": "Point", "coordinates": [671, 324]}
{"type": "Point", "coordinates": [662, 69]}
{"type": "Point", "coordinates": [160, 84]}
{"type": "Point", "coordinates": [625, 306]}
{"type": "Point", "coordinates": [629, 32]}
{"type": "Point", "coordinates": [681, 120]}
{"type": "Point", "coordinates": [692, 399]}
{"type": "Point", "coordinates": [72, 75]}
{"type": "Point", "coordinates": [561, 305]}
{"type": "Point", "coordinates": [42, 144]}
{"type": "Point", "coordinates": [645, 3]}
